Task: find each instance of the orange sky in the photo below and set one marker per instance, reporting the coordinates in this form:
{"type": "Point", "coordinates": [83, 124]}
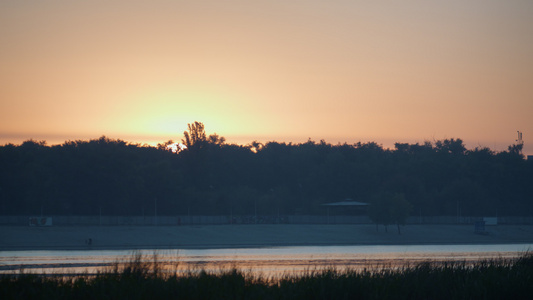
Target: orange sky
{"type": "Point", "coordinates": [343, 71]}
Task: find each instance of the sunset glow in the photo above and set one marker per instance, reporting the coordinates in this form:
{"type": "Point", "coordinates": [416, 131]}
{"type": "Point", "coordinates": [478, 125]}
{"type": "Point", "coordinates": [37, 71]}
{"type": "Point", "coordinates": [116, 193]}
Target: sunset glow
{"type": "Point", "coordinates": [342, 71]}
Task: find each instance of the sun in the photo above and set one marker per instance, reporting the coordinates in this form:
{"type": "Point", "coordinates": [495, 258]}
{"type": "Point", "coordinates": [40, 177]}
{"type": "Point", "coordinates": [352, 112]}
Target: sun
{"type": "Point", "coordinates": [176, 147]}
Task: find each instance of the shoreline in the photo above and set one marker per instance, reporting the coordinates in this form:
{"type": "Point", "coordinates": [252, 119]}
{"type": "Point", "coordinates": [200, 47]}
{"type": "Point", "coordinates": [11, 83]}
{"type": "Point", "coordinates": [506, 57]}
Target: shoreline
{"type": "Point", "coordinates": [25, 238]}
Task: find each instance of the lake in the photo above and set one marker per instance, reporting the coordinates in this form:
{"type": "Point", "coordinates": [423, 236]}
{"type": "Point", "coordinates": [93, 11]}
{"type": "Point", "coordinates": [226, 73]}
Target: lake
{"type": "Point", "coordinates": [269, 261]}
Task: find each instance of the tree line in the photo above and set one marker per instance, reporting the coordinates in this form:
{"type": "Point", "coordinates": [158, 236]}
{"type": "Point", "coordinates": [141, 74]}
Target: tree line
{"type": "Point", "coordinates": [211, 177]}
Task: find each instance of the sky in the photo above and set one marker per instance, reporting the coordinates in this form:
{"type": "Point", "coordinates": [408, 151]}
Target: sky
{"type": "Point", "coordinates": [287, 71]}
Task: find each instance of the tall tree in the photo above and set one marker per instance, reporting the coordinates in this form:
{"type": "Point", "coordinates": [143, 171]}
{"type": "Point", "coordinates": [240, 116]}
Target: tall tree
{"type": "Point", "coordinates": [378, 210]}
{"type": "Point", "coordinates": [387, 208]}
{"type": "Point", "coordinates": [399, 210]}
{"type": "Point", "coordinates": [195, 138]}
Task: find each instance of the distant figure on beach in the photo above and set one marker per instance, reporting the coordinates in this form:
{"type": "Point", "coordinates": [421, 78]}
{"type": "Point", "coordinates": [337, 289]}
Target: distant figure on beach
{"type": "Point", "coordinates": [89, 241]}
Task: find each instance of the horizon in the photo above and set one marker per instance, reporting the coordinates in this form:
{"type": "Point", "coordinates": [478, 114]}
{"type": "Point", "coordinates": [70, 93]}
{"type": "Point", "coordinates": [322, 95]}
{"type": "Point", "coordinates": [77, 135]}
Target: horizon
{"type": "Point", "coordinates": [239, 140]}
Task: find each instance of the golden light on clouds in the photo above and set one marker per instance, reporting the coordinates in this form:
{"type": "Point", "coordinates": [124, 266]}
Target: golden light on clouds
{"type": "Point", "coordinates": [267, 70]}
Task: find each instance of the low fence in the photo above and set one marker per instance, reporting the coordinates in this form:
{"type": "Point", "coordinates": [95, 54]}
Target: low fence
{"type": "Point", "coordinates": [219, 220]}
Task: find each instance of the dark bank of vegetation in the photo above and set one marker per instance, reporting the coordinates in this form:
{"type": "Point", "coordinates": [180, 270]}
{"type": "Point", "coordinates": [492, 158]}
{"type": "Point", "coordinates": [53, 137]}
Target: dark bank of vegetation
{"type": "Point", "coordinates": [213, 177]}
{"type": "Point", "coordinates": [495, 279]}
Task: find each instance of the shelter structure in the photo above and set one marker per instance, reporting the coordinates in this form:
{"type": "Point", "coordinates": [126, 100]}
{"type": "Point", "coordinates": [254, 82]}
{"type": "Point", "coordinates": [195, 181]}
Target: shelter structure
{"type": "Point", "coordinates": [346, 202]}
{"type": "Point", "coordinates": [346, 207]}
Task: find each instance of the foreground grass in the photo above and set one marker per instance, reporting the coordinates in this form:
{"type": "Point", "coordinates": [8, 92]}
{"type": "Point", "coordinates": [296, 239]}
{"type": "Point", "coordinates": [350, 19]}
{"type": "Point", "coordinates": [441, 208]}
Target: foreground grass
{"type": "Point", "coordinates": [137, 279]}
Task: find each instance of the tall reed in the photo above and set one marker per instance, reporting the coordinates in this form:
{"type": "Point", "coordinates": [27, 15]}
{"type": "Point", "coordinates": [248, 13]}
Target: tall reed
{"type": "Point", "coordinates": [142, 278]}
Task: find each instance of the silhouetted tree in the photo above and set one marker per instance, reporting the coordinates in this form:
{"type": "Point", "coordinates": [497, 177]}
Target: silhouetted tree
{"type": "Point", "coordinates": [378, 210]}
{"type": "Point", "coordinates": [451, 146]}
{"type": "Point", "coordinates": [215, 139]}
{"type": "Point", "coordinates": [399, 209]}
{"type": "Point", "coordinates": [516, 150]}
{"type": "Point", "coordinates": [165, 145]}
{"type": "Point", "coordinates": [213, 177]}
{"type": "Point", "coordinates": [195, 137]}
{"type": "Point", "coordinates": [387, 208]}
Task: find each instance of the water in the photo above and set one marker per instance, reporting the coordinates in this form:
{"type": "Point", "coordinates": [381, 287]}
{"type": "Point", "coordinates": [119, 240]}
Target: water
{"type": "Point", "coordinates": [270, 261]}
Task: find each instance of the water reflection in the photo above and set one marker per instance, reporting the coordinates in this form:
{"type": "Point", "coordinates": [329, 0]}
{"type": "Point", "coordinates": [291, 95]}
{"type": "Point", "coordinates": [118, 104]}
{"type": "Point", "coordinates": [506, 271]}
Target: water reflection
{"type": "Point", "coordinates": [269, 261]}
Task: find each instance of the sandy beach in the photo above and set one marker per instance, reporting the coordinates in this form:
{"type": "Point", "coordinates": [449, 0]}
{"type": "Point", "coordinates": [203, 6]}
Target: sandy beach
{"type": "Point", "coordinates": [237, 236]}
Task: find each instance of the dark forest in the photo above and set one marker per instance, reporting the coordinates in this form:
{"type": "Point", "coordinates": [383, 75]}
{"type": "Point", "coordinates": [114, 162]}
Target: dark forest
{"type": "Point", "coordinates": [212, 177]}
